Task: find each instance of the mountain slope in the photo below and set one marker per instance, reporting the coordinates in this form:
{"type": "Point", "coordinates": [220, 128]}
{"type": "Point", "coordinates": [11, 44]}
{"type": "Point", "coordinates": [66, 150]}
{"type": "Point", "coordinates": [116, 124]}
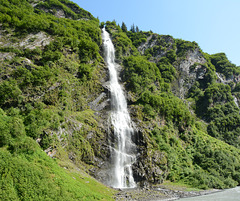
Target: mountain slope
{"type": "Point", "coordinates": [171, 84]}
{"type": "Point", "coordinates": [49, 66]}
{"type": "Point", "coordinates": [54, 97]}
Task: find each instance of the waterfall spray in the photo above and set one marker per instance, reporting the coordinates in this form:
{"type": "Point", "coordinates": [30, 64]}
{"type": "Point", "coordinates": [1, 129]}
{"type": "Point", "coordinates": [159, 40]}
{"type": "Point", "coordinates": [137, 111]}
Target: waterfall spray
{"type": "Point", "coordinates": [123, 149]}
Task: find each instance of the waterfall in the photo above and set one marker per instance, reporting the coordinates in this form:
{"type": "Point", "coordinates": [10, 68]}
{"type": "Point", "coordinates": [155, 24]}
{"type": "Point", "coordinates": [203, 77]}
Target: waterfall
{"type": "Point", "coordinates": [123, 150]}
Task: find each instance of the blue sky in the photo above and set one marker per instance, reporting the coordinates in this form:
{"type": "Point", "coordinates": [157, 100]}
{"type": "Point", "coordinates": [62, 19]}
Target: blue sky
{"type": "Point", "coordinates": [213, 24]}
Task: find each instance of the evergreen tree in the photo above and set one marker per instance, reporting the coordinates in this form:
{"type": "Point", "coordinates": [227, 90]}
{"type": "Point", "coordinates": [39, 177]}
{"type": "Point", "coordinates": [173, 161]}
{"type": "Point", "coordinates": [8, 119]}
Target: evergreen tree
{"type": "Point", "coordinates": [133, 29]}
{"type": "Point", "coordinates": [137, 29]}
{"type": "Point", "coordinates": [124, 27]}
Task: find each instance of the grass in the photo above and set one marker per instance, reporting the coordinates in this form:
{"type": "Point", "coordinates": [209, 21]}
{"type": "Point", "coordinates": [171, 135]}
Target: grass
{"type": "Point", "coordinates": [38, 177]}
{"type": "Point", "coordinates": [178, 186]}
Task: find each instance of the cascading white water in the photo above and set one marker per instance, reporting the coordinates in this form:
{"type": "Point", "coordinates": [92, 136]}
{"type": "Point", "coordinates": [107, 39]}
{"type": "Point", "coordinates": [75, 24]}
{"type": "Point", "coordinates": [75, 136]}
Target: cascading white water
{"type": "Point", "coordinates": [122, 149]}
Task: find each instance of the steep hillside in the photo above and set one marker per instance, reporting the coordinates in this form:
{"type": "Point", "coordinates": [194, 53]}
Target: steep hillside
{"type": "Point", "coordinates": [176, 99]}
{"type": "Point", "coordinates": [55, 103]}
{"type": "Point", "coordinates": [50, 71]}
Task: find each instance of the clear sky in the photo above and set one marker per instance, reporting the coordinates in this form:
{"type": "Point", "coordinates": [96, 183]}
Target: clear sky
{"type": "Point", "coordinates": [213, 24]}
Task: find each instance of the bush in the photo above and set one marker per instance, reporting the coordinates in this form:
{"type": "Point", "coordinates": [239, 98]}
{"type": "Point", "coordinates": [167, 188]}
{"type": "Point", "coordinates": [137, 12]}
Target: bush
{"type": "Point", "coordinates": [140, 73]}
{"type": "Point", "coordinates": [223, 65]}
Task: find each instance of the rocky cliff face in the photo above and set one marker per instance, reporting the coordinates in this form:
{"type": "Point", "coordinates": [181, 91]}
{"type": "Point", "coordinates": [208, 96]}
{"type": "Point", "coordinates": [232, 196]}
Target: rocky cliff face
{"type": "Point", "coordinates": [161, 45]}
{"type": "Point", "coordinates": [191, 69]}
{"type": "Point", "coordinates": [147, 169]}
{"type": "Point", "coordinates": [151, 166]}
{"type": "Point", "coordinates": [56, 81]}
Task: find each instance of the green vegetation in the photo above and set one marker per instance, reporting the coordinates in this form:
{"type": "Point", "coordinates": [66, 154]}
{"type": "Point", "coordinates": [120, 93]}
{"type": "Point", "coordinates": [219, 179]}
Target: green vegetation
{"type": "Point", "coordinates": [37, 177]}
{"type": "Point", "coordinates": [178, 186]}
{"type": "Point", "coordinates": [27, 173]}
{"type": "Point", "coordinates": [124, 46]}
{"type": "Point", "coordinates": [215, 104]}
{"type": "Point", "coordinates": [219, 109]}
{"type": "Point", "coordinates": [198, 160]}
{"type": "Point", "coordinates": [193, 157]}
{"type": "Point", "coordinates": [139, 73]}
{"type": "Point", "coordinates": [51, 68]}
{"type": "Point", "coordinates": [184, 46]}
{"type": "Point", "coordinates": [137, 38]}
{"type": "Point", "coordinates": [223, 65]}
{"type": "Point", "coordinates": [44, 88]}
